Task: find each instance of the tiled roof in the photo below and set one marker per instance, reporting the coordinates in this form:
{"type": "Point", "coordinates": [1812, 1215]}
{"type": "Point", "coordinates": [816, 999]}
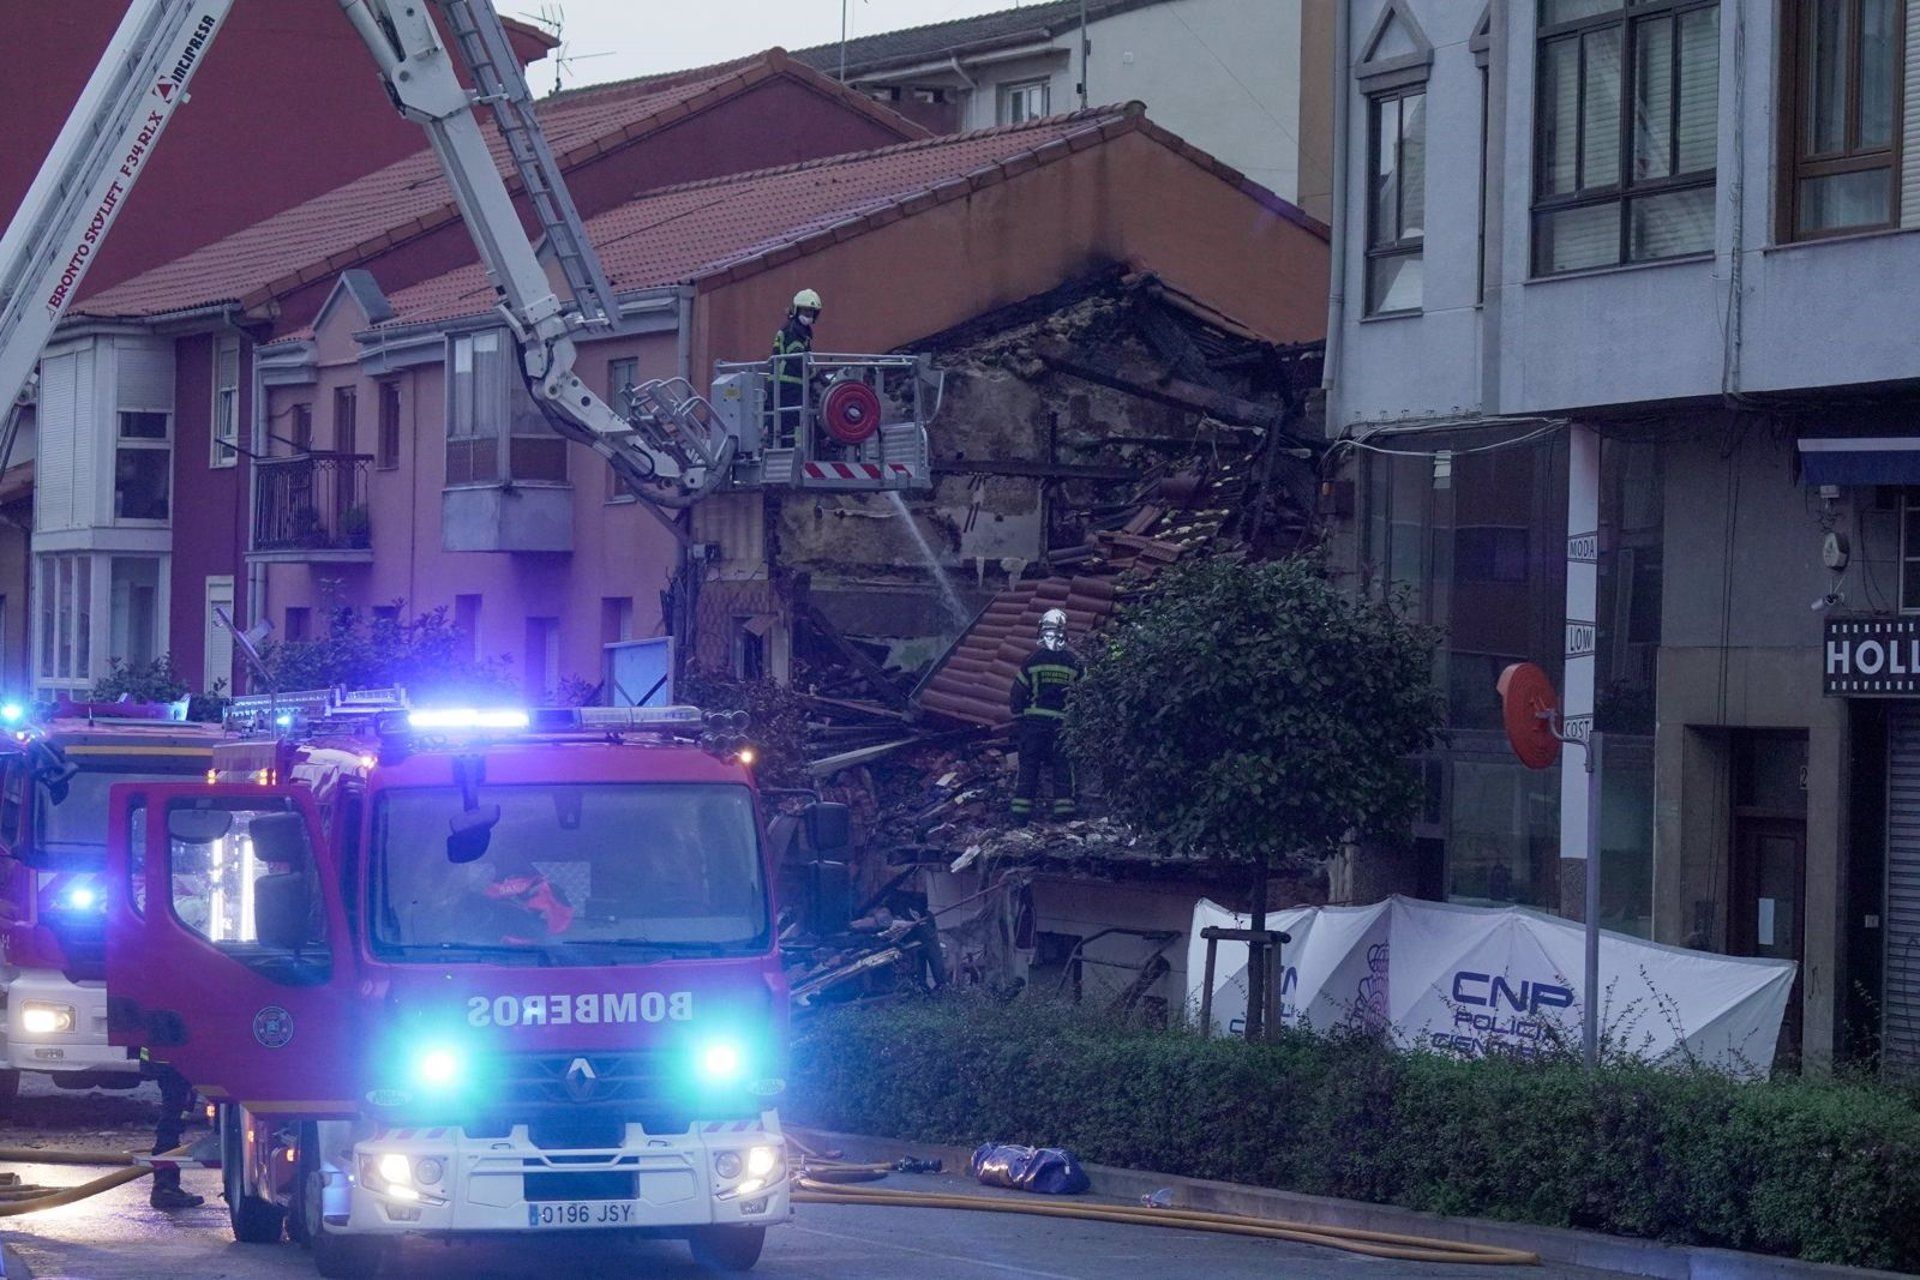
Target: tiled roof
{"type": "Point", "coordinates": [346, 226]}
{"type": "Point", "coordinates": [974, 680]}
{"type": "Point", "coordinates": [962, 35]}
{"type": "Point", "coordinates": [738, 225]}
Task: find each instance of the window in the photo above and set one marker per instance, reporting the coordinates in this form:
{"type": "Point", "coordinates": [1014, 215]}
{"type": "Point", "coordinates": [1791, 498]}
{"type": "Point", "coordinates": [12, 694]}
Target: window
{"type": "Point", "coordinates": [133, 608]}
{"type": "Point", "coordinates": [299, 625]}
{"type": "Point", "coordinates": [301, 429]}
{"type": "Point", "coordinates": [1627, 126]}
{"type": "Point", "coordinates": [621, 374]}
{"type": "Point", "coordinates": [1396, 200]}
{"type": "Point", "coordinates": [1843, 154]}
{"type": "Point", "coordinates": [345, 408]}
{"type": "Point", "coordinates": [616, 619]}
{"type": "Point", "coordinates": [65, 589]}
{"type": "Point", "coordinates": [142, 466]}
{"type": "Point", "coordinates": [226, 402]}
{"type": "Point", "coordinates": [1022, 102]}
{"type": "Point", "coordinates": [476, 403]}
{"type": "Point", "coordinates": [466, 620]}
{"type": "Point", "coordinates": [543, 657]}
{"type": "Point", "coordinates": [388, 457]}
{"type": "Point", "coordinates": [229, 868]}
{"type": "Point", "coordinates": [1910, 551]}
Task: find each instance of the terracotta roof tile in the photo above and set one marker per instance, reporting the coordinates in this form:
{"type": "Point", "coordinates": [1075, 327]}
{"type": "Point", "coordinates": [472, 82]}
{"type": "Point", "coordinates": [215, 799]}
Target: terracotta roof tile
{"type": "Point", "coordinates": [343, 227]}
{"type": "Point", "coordinates": [734, 225]}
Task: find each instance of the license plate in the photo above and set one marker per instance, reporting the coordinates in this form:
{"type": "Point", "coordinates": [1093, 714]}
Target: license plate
{"type": "Point", "coordinates": [581, 1213]}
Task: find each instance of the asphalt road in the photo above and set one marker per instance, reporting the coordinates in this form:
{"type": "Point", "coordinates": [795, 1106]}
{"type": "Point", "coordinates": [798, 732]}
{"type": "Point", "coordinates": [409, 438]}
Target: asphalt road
{"type": "Point", "coordinates": [116, 1236]}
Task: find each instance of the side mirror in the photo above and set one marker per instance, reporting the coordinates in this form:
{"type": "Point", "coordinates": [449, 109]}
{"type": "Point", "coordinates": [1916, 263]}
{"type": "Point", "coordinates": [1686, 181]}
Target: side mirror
{"type": "Point", "coordinates": [470, 833]}
{"type": "Point", "coordinates": [829, 896]}
{"type": "Point", "coordinates": [51, 769]}
{"type": "Point", "coordinates": [829, 827]}
{"type": "Point", "coordinates": [199, 826]}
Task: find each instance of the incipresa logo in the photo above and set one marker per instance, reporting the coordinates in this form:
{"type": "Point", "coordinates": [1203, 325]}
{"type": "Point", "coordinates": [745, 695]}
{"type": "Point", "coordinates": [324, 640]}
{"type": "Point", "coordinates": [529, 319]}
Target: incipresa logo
{"type": "Point", "coordinates": [592, 1009]}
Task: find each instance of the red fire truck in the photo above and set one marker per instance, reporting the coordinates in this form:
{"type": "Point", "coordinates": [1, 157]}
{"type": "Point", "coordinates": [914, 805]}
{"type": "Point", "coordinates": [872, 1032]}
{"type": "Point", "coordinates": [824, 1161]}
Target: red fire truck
{"type": "Point", "coordinates": [467, 971]}
{"type": "Point", "coordinates": [54, 776]}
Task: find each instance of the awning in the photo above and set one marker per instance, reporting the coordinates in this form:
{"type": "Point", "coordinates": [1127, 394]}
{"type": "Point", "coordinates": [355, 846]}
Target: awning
{"type": "Point", "coordinates": [1860, 460]}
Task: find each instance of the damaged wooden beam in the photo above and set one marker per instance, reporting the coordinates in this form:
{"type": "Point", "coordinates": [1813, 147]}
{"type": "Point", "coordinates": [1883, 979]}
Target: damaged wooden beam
{"type": "Point", "coordinates": [1177, 392]}
{"type": "Point", "coordinates": [1023, 467]}
{"type": "Point", "coordinates": [866, 668]}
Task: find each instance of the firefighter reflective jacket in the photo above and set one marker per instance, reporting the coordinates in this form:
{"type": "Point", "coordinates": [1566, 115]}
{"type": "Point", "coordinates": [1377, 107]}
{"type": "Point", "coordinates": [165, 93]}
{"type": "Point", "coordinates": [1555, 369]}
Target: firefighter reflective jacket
{"type": "Point", "coordinates": [792, 341]}
{"type": "Point", "coordinates": [1040, 691]}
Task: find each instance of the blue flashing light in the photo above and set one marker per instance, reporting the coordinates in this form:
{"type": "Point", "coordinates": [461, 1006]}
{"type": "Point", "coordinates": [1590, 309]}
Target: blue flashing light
{"type": "Point", "coordinates": [284, 720]}
{"type": "Point", "coordinates": [468, 718]}
{"type": "Point", "coordinates": [12, 712]}
{"type": "Point", "coordinates": [720, 1062]}
{"type": "Point", "coordinates": [437, 1068]}
{"type": "Point", "coordinates": [82, 898]}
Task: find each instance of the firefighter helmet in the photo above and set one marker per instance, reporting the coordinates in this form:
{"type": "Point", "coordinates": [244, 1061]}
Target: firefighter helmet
{"type": "Point", "coordinates": [1053, 629]}
{"type": "Point", "coordinates": [807, 300]}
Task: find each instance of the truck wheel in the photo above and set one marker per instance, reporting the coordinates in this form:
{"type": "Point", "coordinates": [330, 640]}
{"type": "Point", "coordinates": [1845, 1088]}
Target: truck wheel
{"type": "Point", "coordinates": [727, 1248]}
{"type": "Point", "coordinates": [336, 1257]}
{"type": "Point", "coordinates": [254, 1221]}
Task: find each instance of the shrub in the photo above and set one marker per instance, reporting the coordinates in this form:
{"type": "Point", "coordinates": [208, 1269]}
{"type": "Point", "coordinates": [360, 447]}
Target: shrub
{"type": "Point", "coordinates": [1824, 1170]}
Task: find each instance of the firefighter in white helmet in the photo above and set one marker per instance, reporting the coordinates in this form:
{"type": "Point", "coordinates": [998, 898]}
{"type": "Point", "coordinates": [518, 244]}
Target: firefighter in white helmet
{"type": "Point", "coordinates": [1039, 702]}
{"type": "Point", "coordinates": [791, 344]}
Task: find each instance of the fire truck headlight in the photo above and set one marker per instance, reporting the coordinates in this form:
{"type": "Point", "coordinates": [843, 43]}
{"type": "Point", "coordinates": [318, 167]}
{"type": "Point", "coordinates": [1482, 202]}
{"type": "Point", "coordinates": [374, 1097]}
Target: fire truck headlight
{"type": "Point", "coordinates": [395, 1169]}
{"type": "Point", "coordinates": [437, 1068]}
{"type": "Point", "coordinates": [727, 1165]}
{"type": "Point", "coordinates": [44, 1018]}
{"type": "Point", "coordinates": [428, 1172]}
{"type": "Point", "coordinates": [720, 1062]}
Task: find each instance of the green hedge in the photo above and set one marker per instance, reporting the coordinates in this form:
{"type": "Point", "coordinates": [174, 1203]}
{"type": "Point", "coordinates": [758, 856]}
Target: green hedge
{"type": "Point", "coordinates": [1823, 1170]}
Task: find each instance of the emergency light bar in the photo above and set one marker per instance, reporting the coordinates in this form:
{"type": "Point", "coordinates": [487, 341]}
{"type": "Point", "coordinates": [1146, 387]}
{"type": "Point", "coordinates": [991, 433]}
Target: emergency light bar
{"type": "Point", "coordinates": [467, 718]}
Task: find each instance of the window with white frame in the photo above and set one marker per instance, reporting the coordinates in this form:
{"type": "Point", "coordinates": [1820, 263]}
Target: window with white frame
{"type": "Point", "coordinates": [621, 374]}
{"type": "Point", "coordinates": [1022, 102]}
{"type": "Point", "coordinates": [65, 591]}
{"type": "Point", "coordinates": [143, 466]}
{"type": "Point", "coordinates": [226, 402]}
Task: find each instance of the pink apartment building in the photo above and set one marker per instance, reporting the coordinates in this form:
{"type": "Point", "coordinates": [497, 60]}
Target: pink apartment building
{"type": "Point", "coordinates": [148, 503]}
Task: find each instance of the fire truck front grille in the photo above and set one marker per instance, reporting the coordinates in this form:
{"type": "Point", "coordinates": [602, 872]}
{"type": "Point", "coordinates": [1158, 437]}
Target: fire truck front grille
{"type": "Point", "coordinates": [614, 1088]}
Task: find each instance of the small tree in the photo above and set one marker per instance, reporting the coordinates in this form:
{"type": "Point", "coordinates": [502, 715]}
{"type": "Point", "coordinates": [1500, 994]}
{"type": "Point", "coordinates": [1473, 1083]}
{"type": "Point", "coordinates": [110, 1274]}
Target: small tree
{"type": "Point", "coordinates": [1256, 713]}
{"type": "Point", "coordinates": [428, 655]}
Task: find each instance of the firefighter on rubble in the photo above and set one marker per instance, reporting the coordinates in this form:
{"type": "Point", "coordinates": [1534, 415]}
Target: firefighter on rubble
{"type": "Point", "coordinates": [1039, 702]}
{"type": "Point", "coordinates": [791, 343]}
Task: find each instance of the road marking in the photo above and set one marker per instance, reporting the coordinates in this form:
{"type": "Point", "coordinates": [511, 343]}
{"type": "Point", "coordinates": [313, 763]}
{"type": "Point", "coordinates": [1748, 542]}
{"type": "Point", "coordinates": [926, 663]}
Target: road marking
{"type": "Point", "coordinates": [934, 1253]}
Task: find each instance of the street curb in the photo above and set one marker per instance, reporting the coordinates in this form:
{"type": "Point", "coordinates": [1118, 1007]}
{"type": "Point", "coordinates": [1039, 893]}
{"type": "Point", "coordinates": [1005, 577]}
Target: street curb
{"type": "Point", "coordinates": [1561, 1245]}
{"type": "Point", "coordinates": [11, 1268]}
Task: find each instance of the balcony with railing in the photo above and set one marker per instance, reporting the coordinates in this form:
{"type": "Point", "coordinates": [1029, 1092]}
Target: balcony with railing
{"type": "Point", "coordinates": [312, 507]}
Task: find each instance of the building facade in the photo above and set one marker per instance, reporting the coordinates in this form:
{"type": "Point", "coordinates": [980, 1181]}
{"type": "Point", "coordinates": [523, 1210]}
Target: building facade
{"type": "Point", "coordinates": [1632, 262]}
{"type": "Point", "coordinates": [1244, 80]}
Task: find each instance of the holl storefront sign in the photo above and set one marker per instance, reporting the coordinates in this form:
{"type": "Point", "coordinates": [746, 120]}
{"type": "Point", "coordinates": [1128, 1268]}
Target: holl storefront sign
{"type": "Point", "coordinates": [1872, 658]}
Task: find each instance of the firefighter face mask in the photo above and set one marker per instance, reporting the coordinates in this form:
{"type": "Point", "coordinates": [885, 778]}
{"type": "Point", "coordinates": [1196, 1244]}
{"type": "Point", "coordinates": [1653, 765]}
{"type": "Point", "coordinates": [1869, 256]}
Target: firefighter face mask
{"type": "Point", "coordinates": [1053, 629]}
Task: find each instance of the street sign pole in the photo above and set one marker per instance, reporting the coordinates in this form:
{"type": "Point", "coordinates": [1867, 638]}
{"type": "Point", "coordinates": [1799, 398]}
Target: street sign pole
{"type": "Point", "coordinates": [1591, 1030]}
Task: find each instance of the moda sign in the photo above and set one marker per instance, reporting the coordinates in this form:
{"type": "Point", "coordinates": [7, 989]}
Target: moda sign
{"type": "Point", "coordinates": [1872, 658]}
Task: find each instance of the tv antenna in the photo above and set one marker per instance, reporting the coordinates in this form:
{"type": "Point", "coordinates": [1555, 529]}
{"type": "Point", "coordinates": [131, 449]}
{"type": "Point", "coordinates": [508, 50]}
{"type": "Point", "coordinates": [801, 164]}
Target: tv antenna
{"type": "Point", "coordinates": [553, 19]}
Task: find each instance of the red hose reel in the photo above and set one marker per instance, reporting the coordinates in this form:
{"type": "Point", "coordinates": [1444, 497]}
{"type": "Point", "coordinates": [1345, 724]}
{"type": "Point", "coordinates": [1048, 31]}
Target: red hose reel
{"type": "Point", "coordinates": [850, 411]}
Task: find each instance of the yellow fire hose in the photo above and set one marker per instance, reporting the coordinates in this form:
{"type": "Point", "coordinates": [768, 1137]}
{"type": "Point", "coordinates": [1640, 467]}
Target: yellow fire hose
{"type": "Point", "coordinates": [822, 1182]}
{"type": "Point", "coordinates": [15, 1201]}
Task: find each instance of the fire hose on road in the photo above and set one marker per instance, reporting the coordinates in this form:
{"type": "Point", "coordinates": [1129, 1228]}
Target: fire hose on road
{"type": "Point", "coordinates": [22, 1198]}
{"type": "Point", "coordinates": [826, 1182]}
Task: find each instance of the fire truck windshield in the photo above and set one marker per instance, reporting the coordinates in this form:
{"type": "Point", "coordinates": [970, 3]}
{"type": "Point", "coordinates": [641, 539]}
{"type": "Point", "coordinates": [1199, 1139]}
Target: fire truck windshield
{"type": "Point", "coordinates": [77, 826]}
{"type": "Point", "coordinates": [573, 873]}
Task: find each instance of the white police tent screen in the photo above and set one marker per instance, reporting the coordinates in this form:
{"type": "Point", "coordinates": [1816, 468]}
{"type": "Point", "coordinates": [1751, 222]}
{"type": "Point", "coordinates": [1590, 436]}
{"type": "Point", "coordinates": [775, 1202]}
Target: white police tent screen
{"type": "Point", "coordinates": [1471, 980]}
